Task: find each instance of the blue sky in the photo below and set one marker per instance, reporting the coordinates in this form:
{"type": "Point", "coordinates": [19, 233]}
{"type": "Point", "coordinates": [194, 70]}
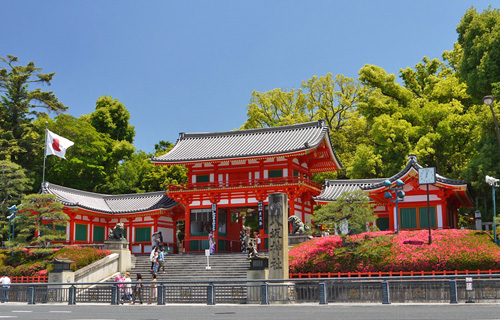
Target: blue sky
{"type": "Point", "coordinates": [191, 66]}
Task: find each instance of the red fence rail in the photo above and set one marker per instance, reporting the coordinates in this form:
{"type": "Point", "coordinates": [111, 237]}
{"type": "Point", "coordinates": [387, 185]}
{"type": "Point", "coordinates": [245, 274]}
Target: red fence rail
{"type": "Point", "coordinates": [388, 274]}
{"type": "Point", "coordinates": [29, 279]}
{"type": "Point", "coordinates": [242, 183]}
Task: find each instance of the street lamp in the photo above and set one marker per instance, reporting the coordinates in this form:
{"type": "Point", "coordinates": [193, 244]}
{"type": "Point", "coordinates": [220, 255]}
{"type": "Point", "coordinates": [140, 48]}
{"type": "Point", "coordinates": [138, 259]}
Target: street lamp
{"type": "Point", "coordinates": [13, 210]}
{"type": "Point", "coordinates": [399, 195]}
{"type": "Point", "coordinates": [493, 183]}
{"type": "Point", "coordinates": [488, 100]}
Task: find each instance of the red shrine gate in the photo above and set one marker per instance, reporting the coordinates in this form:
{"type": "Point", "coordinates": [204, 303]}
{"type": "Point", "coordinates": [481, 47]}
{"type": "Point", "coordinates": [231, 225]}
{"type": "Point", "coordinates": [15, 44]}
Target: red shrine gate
{"type": "Point", "coordinates": [231, 175]}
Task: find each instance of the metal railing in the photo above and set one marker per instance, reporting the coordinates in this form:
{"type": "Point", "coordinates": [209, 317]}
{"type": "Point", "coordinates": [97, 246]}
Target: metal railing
{"type": "Point", "coordinates": [423, 289]}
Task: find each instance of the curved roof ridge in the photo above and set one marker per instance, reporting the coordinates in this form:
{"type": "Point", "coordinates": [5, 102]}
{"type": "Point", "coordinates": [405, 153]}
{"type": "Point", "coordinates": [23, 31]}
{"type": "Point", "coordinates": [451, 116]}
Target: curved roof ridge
{"type": "Point", "coordinates": [123, 203]}
{"type": "Point", "coordinates": [248, 143]}
{"type": "Point", "coordinates": [413, 163]}
{"type": "Point", "coordinates": [185, 135]}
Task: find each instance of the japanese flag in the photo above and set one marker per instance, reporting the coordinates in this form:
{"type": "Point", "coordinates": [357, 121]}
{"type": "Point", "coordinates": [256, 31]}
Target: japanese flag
{"type": "Point", "coordinates": [57, 145]}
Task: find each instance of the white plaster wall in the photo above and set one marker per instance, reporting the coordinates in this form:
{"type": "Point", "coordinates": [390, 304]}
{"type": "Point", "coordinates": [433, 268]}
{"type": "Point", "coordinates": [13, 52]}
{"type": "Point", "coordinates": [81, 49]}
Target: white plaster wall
{"type": "Point", "coordinates": [98, 270]}
{"type": "Point", "coordinates": [237, 201]}
{"type": "Point", "coordinates": [420, 198]}
{"type": "Point", "coordinates": [440, 216]}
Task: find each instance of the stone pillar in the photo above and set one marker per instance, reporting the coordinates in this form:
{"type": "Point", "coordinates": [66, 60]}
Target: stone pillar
{"type": "Point", "coordinates": [278, 236]}
{"type": "Point", "coordinates": [122, 248]}
{"type": "Point", "coordinates": [61, 274]}
{"type": "Point", "coordinates": [278, 246]}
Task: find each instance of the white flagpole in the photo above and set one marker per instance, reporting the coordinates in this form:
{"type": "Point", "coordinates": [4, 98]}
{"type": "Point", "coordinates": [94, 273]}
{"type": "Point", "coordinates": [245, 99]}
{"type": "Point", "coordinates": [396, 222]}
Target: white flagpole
{"type": "Point", "coordinates": [44, 154]}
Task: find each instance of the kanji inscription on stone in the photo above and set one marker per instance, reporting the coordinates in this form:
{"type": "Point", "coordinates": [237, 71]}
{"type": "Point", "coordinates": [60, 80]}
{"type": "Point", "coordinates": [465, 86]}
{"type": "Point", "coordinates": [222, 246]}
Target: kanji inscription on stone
{"type": "Point", "coordinates": [278, 236]}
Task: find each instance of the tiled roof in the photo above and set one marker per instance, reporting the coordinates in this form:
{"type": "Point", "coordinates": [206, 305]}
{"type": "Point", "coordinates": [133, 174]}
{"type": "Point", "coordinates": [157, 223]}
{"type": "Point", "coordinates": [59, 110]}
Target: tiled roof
{"type": "Point", "coordinates": [112, 204]}
{"type": "Point", "coordinates": [247, 143]}
{"type": "Point", "coordinates": [334, 188]}
{"type": "Point", "coordinates": [413, 163]}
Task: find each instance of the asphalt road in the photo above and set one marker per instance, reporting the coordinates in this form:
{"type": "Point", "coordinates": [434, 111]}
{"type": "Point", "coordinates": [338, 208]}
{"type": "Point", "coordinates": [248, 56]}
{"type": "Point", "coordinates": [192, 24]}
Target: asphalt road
{"type": "Point", "coordinates": [253, 312]}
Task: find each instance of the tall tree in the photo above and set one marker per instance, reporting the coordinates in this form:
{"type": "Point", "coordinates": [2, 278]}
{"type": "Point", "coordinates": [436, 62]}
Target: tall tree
{"type": "Point", "coordinates": [429, 115]}
{"type": "Point", "coordinates": [89, 163]}
{"type": "Point", "coordinates": [478, 61]}
{"type": "Point", "coordinates": [479, 40]}
{"type": "Point", "coordinates": [111, 117]}
{"type": "Point", "coordinates": [20, 104]}
{"type": "Point", "coordinates": [334, 100]}
{"type": "Point", "coordinates": [13, 185]}
{"type": "Point", "coordinates": [37, 209]}
{"type": "Point", "coordinates": [276, 108]}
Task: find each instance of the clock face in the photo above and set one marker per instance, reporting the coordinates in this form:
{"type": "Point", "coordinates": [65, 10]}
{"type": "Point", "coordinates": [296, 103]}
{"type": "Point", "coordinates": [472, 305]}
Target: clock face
{"type": "Point", "coordinates": [427, 175]}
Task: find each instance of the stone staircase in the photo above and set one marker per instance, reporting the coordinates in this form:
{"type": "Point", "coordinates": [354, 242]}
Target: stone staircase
{"type": "Point", "coordinates": [192, 267]}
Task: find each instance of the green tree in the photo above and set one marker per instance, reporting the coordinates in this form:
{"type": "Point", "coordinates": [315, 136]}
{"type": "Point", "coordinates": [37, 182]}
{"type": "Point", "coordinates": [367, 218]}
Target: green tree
{"type": "Point", "coordinates": [276, 108]}
{"type": "Point", "coordinates": [137, 173]}
{"type": "Point", "coordinates": [129, 175]}
{"type": "Point", "coordinates": [479, 41]}
{"type": "Point", "coordinates": [19, 105]}
{"type": "Point", "coordinates": [351, 213]}
{"type": "Point", "coordinates": [430, 115]}
{"type": "Point", "coordinates": [333, 100]}
{"type": "Point", "coordinates": [13, 185]}
{"type": "Point", "coordinates": [89, 164]}
{"type": "Point", "coordinates": [111, 117]}
{"type": "Point", "coordinates": [477, 59]}
{"type": "Point", "coordinates": [163, 147]}
{"type": "Point", "coordinates": [161, 175]}
{"type": "Point", "coordinates": [37, 209]}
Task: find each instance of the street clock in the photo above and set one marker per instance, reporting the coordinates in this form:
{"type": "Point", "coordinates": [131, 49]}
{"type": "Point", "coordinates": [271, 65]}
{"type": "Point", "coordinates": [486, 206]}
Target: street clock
{"type": "Point", "coordinates": [427, 175]}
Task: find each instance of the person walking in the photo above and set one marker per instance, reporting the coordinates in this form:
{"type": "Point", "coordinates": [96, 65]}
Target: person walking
{"type": "Point", "coordinates": [257, 241]}
{"type": "Point", "coordinates": [121, 288]}
{"type": "Point", "coordinates": [155, 239]}
{"type": "Point", "coordinates": [247, 237]}
{"type": "Point", "coordinates": [161, 259]}
{"type": "Point", "coordinates": [152, 257]}
{"type": "Point", "coordinates": [243, 237]}
{"type": "Point", "coordinates": [211, 241]}
{"type": "Point", "coordinates": [5, 280]}
{"type": "Point", "coordinates": [152, 289]}
{"type": "Point", "coordinates": [156, 262]}
{"type": "Point", "coordinates": [138, 289]}
{"type": "Point", "coordinates": [128, 288]}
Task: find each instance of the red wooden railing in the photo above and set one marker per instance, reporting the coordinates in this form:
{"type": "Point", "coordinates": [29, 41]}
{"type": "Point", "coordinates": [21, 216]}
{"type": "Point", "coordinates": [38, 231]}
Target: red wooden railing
{"type": "Point", "coordinates": [29, 279]}
{"type": "Point", "coordinates": [388, 274]}
{"type": "Point", "coordinates": [242, 183]}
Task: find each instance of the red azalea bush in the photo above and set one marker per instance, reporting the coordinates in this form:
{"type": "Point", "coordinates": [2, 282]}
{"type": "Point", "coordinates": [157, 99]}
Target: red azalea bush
{"type": "Point", "coordinates": [31, 262]}
{"type": "Point", "coordinates": [384, 251]}
{"type": "Point", "coordinates": [82, 256]}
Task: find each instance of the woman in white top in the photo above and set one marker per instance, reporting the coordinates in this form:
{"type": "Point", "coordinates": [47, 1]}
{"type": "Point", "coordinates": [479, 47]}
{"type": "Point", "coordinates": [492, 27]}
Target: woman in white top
{"type": "Point", "coordinates": [128, 287]}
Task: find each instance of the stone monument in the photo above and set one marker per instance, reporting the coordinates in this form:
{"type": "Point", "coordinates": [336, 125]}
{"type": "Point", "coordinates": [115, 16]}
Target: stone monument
{"type": "Point", "coordinates": [278, 236]}
{"type": "Point", "coordinates": [62, 273]}
{"type": "Point", "coordinates": [116, 243]}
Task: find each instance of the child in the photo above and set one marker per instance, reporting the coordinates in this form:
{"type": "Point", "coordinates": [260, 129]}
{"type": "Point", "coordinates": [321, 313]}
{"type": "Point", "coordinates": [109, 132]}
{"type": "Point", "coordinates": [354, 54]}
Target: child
{"type": "Point", "coordinates": [161, 259]}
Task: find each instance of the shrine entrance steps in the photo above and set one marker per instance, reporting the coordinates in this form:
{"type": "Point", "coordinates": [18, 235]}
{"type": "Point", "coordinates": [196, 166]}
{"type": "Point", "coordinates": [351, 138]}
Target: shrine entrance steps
{"type": "Point", "coordinates": [192, 267]}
